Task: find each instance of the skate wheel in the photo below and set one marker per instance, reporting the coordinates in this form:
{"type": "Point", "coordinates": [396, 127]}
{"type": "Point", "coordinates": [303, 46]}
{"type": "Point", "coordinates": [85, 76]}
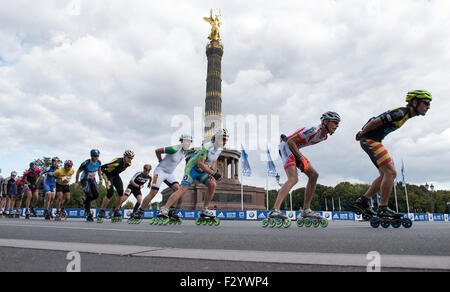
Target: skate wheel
{"type": "Point", "coordinates": [210, 222]}
{"type": "Point", "coordinates": [204, 222]}
{"type": "Point", "coordinates": [197, 221]}
{"type": "Point", "coordinates": [265, 223]}
{"type": "Point", "coordinates": [315, 223]}
{"type": "Point", "coordinates": [324, 223]}
{"type": "Point", "coordinates": [300, 222]}
{"type": "Point", "coordinates": [287, 223]}
{"type": "Point", "coordinates": [396, 224]}
{"type": "Point", "coordinates": [407, 223]}
{"type": "Point", "coordinates": [272, 223]}
{"type": "Point", "coordinates": [151, 221]}
{"type": "Point", "coordinates": [166, 221]}
{"type": "Point", "coordinates": [374, 222]}
{"type": "Point", "coordinates": [279, 223]}
{"type": "Point", "coordinates": [308, 222]}
{"type": "Point", "coordinates": [385, 224]}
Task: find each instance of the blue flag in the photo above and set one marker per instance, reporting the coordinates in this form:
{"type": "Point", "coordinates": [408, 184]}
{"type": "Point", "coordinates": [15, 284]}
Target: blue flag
{"type": "Point", "coordinates": [403, 175]}
{"type": "Point", "coordinates": [246, 170]}
{"type": "Point", "coordinates": [271, 170]}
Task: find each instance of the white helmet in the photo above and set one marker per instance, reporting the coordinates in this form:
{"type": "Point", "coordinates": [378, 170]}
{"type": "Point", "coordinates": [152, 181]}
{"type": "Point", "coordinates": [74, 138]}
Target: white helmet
{"type": "Point", "coordinates": [331, 116]}
{"type": "Point", "coordinates": [221, 132]}
{"type": "Point", "coordinates": [185, 137]}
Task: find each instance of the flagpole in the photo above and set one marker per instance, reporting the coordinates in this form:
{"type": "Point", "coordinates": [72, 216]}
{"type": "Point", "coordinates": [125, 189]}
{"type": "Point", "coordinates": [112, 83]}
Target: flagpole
{"type": "Point", "coordinates": [242, 190]}
{"type": "Point", "coordinates": [407, 203]}
{"type": "Point", "coordinates": [267, 191]}
{"type": "Point", "coordinates": [404, 185]}
{"type": "Point", "coordinates": [290, 195]}
{"type": "Point", "coordinates": [395, 194]}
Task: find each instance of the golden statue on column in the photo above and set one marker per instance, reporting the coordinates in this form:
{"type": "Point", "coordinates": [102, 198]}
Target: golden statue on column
{"type": "Point", "coordinates": [215, 26]}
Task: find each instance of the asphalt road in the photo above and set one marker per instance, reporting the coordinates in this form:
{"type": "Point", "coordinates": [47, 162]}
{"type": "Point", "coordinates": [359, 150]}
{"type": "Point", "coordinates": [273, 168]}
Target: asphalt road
{"type": "Point", "coordinates": [234, 246]}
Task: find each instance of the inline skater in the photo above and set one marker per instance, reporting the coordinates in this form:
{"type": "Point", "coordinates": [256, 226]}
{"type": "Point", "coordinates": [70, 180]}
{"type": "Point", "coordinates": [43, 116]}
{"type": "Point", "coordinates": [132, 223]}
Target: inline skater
{"type": "Point", "coordinates": [293, 159]}
{"type": "Point", "coordinates": [2, 194]}
{"type": "Point", "coordinates": [19, 189]}
{"type": "Point", "coordinates": [201, 167]}
{"type": "Point", "coordinates": [8, 189]}
{"type": "Point", "coordinates": [50, 187]}
{"type": "Point", "coordinates": [111, 173]}
{"type": "Point", "coordinates": [370, 138]}
{"type": "Point", "coordinates": [31, 178]}
{"type": "Point", "coordinates": [63, 177]}
{"type": "Point", "coordinates": [134, 187]}
{"type": "Point", "coordinates": [166, 167]}
{"type": "Point", "coordinates": [88, 170]}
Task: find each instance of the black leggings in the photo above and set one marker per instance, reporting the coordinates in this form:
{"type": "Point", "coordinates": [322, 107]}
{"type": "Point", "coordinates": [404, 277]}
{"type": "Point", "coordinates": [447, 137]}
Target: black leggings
{"type": "Point", "coordinates": [90, 188]}
{"type": "Point", "coordinates": [114, 182]}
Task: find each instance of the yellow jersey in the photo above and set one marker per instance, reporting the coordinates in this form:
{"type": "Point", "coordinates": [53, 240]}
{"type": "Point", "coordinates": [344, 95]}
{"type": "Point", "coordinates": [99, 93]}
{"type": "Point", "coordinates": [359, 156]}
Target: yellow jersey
{"type": "Point", "coordinates": [63, 176]}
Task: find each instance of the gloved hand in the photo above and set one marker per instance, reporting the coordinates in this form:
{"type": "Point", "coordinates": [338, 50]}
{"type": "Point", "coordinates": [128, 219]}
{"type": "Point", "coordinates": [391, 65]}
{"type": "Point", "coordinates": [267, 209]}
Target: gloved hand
{"type": "Point", "coordinates": [302, 163]}
{"type": "Point", "coordinates": [216, 175]}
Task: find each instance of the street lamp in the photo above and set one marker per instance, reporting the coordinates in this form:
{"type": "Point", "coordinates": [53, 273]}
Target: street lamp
{"type": "Point", "coordinates": [430, 189]}
{"type": "Point", "coordinates": [277, 177]}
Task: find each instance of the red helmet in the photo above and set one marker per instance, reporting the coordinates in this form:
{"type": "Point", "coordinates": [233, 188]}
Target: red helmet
{"type": "Point", "coordinates": [147, 167]}
{"type": "Point", "coordinates": [68, 163]}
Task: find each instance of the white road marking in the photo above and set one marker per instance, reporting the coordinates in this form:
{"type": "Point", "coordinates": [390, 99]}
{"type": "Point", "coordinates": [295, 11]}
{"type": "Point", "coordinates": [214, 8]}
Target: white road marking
{"type": "Point", "coordinates": [91, 228]}
{"type": "Point", "coordinates": [333, 259]}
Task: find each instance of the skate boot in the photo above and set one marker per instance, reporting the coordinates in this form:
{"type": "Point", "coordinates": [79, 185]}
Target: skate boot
{"type": "Point", "coordinates": [362, 207]}
{"type": "Point", "coordinates": [310, 218]}
{"type": "Point", "coordinates": [47, 215]}
{"type": "Point", "coordinates": [276, 218]}
{"type": "Point", "coordinates": [207, 217]}
{"type": "Point", "coordinates": [27, 214]}
{"type": "Point", "coordinates": [17, 215]}
{"type": "Point", "coordinates": [33, 211]}
{"type": "Point", "coordinates": [58, 215]}
{"type": "Point", "coordinates": [161, 217]}
{"type": "Point", "coordinates": [63, 214]}
{"type": "Point", "coordinates": [89, 216]}
{"type": "Point", "coordinates": [100, 216]}
{"type": "Point", "coordinates": [173, 217]}
{"type": "Point", "coordinates": [385, 212]}
{"type": "Point", "coordinates": [135, 218]}
{"type": "Point", "coordinates": [387, 217]}
{"type": "Point", "coordinates": [117, 217]}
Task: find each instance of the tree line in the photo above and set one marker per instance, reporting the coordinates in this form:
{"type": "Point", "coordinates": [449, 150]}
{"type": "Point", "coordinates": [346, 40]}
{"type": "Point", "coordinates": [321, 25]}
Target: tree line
{"type": "Point", "coordinates": [419, 198]}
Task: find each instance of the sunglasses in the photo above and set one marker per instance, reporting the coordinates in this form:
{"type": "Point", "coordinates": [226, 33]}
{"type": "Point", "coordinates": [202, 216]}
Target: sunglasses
{"type": "Point", "coordinates": [427, 103]}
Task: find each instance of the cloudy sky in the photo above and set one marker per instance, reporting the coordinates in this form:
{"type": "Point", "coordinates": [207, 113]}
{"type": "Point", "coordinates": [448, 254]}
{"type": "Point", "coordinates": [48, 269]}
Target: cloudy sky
{"type": "Point", "coordinates": [116, 75]}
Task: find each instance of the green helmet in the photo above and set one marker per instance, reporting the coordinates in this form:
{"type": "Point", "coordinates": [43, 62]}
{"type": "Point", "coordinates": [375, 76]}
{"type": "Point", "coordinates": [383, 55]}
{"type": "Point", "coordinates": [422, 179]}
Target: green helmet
{"type": "Point", "coordinates": [420, 94]}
